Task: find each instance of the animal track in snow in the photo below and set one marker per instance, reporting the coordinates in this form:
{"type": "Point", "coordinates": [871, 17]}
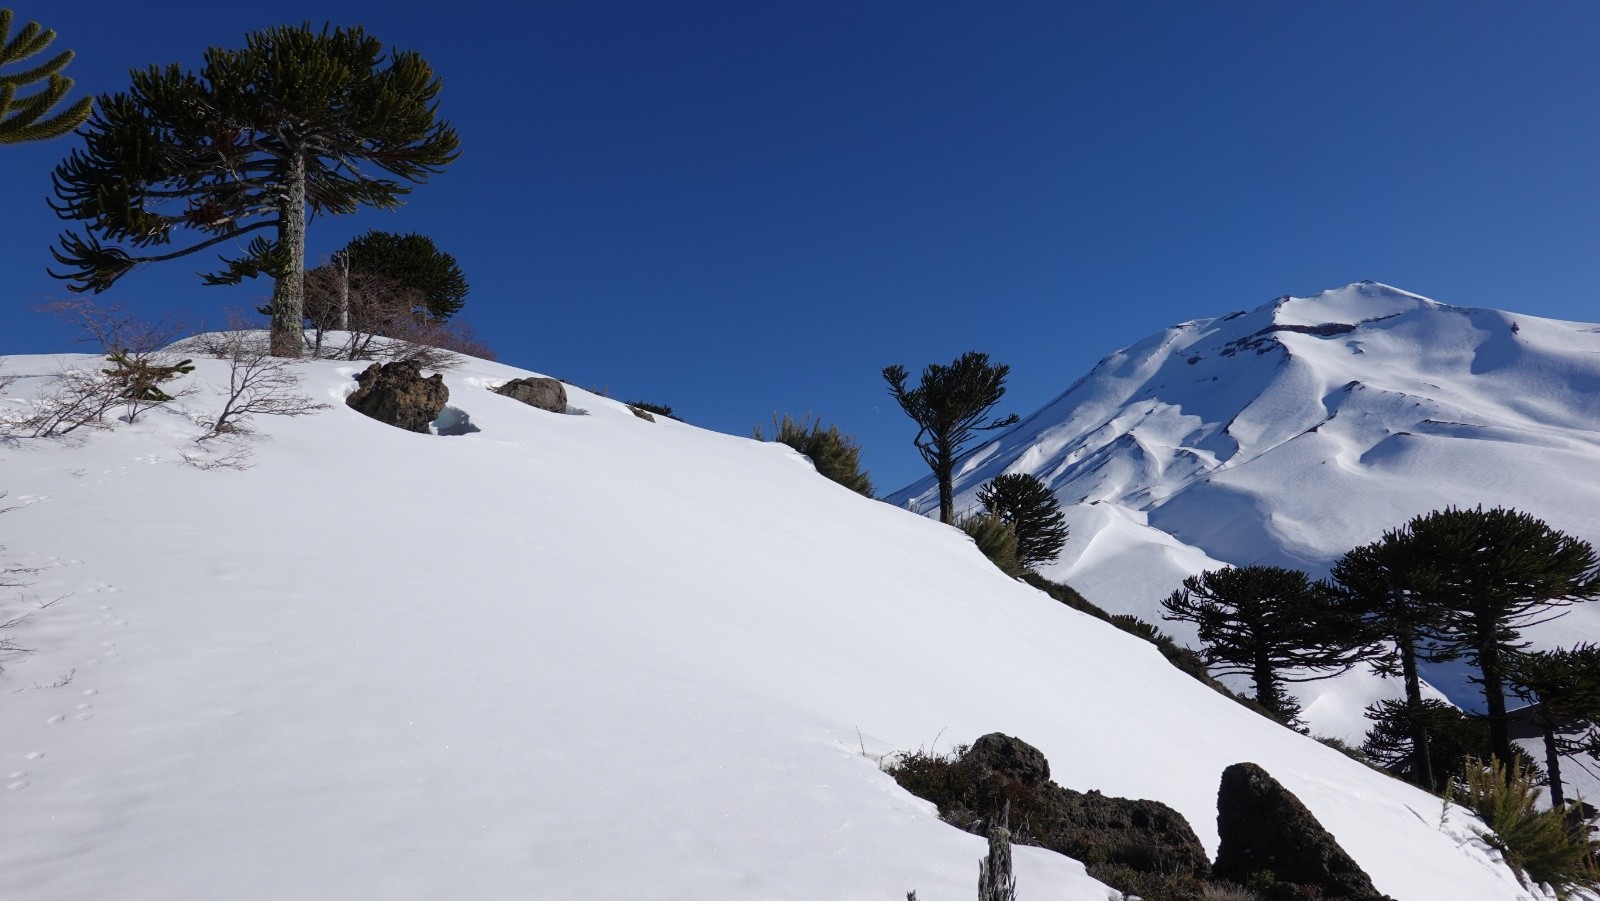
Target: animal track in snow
{"type": "Point", "coordinates": [17, 786]}
{"type": "Point", "coordinates": [35, 755]}
{"type": "Point", "coordinates": [55, 719]}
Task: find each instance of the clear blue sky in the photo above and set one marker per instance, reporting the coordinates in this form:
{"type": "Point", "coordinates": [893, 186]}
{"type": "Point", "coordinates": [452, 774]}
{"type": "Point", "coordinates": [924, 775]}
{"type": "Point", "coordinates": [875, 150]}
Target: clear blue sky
{"type": "Point", "coordinates": [741, 207]}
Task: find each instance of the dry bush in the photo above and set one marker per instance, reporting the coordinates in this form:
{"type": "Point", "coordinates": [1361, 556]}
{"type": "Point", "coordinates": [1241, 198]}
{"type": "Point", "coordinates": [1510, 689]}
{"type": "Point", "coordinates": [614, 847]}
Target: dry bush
{"type": "Point", "coordinates": [112, 328]}
{"type": "Point", "coordinates": [138, 365]}
{"type": "Point", "coordinates": [259, 384]}
{"type": "Point", "coordinates": [80, 399]}
{"type": "Point", "coordinates": [382, 320]}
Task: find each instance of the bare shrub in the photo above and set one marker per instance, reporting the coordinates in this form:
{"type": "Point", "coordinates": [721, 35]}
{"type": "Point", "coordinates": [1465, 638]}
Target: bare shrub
{"type": "Point", "coordinates": [10, 578]}
{"type": "Point", "coordinates": [381, 320]}
{"type": "Point", "coordinates": [138, 366]}
{"type": "Point", "coordinates": [78, 399]}
{"type": "Point", "coordinates": [112, 328]}
{"type": "Point", "coordinates": [259, 384]}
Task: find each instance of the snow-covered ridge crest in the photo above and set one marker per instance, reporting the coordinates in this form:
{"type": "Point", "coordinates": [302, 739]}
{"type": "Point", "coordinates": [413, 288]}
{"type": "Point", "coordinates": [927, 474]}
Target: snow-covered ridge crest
{"type": "Point", "coordinates": [561, 656]}
{"type": "Point", "coordinates": [1308, 404]}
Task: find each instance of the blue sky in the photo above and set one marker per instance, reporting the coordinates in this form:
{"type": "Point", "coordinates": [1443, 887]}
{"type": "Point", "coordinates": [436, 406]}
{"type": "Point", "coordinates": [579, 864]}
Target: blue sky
{"type": "Point", "coordinates": [745, 207]}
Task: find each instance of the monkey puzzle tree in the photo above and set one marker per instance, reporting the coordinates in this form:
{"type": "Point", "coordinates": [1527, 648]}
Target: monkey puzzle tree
{"type": "Point", "coordinates": [1267, 622]}
{"type": "Point", "coordinates": [22, 118]}
{"type": "Point", "coordinates": [298, 122]}
{"type": "Point", "coordinates": [415, 262]}
{"type": "Point", "coordinates": [1563, 687]}
{"type": "Point", "coordinates": [1391, 586]}
{"type": "Point", "coordinates": [948, 406]}
{"type": "Point", "coordinates": [1033, 512]}
{"type": "Point", "coordinates": [1496, 572]}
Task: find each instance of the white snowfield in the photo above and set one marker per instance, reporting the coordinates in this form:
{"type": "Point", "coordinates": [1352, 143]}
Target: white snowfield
{"type": "Point", "coordinates": [1292, 433]}
{"type": "Point", "coordinates": [562, 657]}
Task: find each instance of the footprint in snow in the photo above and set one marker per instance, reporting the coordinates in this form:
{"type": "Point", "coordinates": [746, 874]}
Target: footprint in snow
{"type": "Point", "coordinates": [55, 719]}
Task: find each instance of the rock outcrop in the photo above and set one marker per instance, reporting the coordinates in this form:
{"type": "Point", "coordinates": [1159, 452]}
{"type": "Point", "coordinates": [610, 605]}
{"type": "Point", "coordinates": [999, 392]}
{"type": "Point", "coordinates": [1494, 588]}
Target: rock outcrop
{"type": "Point", "coordinates": [546, 394]}
{"type": "Point", "coordinates": [397, 394]}
{"type": "Point", "coordinates": [1266, 830]}
{"type": "Point", "coordinates": [1142, 847]}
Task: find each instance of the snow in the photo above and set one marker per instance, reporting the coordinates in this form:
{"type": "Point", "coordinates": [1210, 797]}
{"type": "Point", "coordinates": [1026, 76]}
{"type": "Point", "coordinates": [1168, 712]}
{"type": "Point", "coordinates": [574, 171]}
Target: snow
{"type": "Point", "coordinates": [1291, 433]}
{"type": "Point", "coordinates": [563, 656]}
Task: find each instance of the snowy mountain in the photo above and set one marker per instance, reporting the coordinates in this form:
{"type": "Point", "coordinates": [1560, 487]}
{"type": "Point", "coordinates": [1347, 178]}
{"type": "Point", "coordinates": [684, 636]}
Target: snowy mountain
{"type": "Point", "coordinates": [558, 656]}
{"type": "Point", "coordinates": [1293, 432]}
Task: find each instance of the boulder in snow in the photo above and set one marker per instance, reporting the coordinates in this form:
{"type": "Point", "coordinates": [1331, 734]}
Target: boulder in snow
{"type": "Point", "coordinates": [397, 394]}
{"type": "Point", "coordinates": [546, 394]}
{"type": "Point", "coordinates": [1265, 829]}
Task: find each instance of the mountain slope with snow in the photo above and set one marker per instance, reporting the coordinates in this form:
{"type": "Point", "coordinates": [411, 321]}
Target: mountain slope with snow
{"type": "Point", "coordinates": [1293, 432]}
{"type": "Point", "coordinates": [559, 656]}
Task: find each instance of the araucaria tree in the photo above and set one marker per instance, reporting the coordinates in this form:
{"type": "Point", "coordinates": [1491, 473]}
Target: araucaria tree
{"type": "Point", "coordinates": [23, 118]}
{"type": "Point", "coordinates": [1392, 586]}
{"type": "Point", "coordinates": [1271, 624]}
{"type": "Point", "coordinates": [948, 407]}
{"type": "Point", "coordinates": [413, 261]}
{"type": "Point", "coordinates": [1033, 512]}
{"type": "Point", "coordinates": [1562, 688]}
{"type": "Point", "coordinates": [300, 122]}
{"type": "Point", "coordinates": [1497, 572]}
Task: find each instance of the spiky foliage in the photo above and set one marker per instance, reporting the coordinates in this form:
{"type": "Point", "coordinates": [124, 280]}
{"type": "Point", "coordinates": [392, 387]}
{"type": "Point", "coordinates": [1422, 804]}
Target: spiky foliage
{"type": "Point", "coordinates": [1032, 510]}
{"type": "Point", "coordinates": [1540, 845]}
{"type": "Point", "coordinates": [1453, 736]}
{"type": "Point", "coordinates": [299, 121]}
{"type": "Point", "coordinates": [23, 118]}
{"type": "Point", "coordinates": [140, 377]}
{"type": "Point", "coordinates": [1496, 572]}
{"type": "Point", "coordinates": [653, 409]}
{"type": "Point", "coordinates": [1392, 586]}
{"type": "Point", "coordinates": [948, 406]}
{"type": "Point", "coordinates": [1562, 688]}
{"type": "Point", "coordinates": [415, 262]}
{"type": "Point", "coordinates": [1271, 624]}
{"type": "Point", "coordinates": [834, 454]}
{"type": "Point", "coordinates": [996, 539]}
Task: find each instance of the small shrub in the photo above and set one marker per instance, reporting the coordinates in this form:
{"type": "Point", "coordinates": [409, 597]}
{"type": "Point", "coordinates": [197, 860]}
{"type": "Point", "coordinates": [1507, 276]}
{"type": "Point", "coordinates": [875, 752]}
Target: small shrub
{"type": "Point", "coordinates": [834, 454]}
{"type": "Point", "coordinates": [1345, 748]}
{"type": "Point", "coordinates": [1538, 844]}
{"type": "Point", "coordinates": [657, 409]}
{"type": "Point", "coordinates": [996, 538]}
{"type": "Point", "coordinates": [1031, 508]}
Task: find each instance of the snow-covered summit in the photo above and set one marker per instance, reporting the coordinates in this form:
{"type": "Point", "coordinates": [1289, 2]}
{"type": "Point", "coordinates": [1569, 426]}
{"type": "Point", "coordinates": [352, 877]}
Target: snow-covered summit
{"type": "Point", "coordinates": [1305, 426]}
{"type": "Point", "coordinates": [1292, 432]}
{"type": "Point", "coordinates": [559, 656]}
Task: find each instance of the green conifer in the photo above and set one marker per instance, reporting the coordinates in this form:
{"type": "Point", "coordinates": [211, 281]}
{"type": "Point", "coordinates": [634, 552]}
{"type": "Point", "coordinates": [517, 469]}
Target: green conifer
{"type": "Point", "coordinates": [298, 122]}
{"type": "Point", "coordinates": [1032, 510]}
{"type": "Point", "coordinates": [23, 118]}
{"type": "Point", "coordinates": [1271, 624]}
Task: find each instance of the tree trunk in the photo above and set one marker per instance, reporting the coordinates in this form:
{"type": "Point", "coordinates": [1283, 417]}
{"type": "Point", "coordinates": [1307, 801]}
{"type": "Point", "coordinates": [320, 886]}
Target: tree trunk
{"type": "Point", "coordinates": [1552, 763]}
{"type": "Point", "coordinates": [1421, 756]}
{"type": "Point", "coordinates": [1494, 699]}
{"type": "Point", "coordinates": [1267, 687]}
{"type": "Point", "coordinates": [288, 295]}
{"type": "Point", "coordinates": [344, 291]}
{"type": "Point", "coordinates": [944, 468]}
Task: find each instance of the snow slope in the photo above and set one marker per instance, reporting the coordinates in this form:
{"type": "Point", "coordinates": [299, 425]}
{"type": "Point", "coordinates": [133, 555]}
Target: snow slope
{"type": "Point", "coordinates": [562, 656]}
{"type": "Point", "coordinates": [1293, 432]}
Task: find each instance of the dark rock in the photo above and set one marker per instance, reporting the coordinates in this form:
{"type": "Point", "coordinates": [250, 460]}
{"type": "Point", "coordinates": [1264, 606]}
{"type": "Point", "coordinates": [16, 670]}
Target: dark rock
{"type": "Point", "coordinates": [1010, 757]}
{"type": "Point", "coordinates": [1142, 847]}
{"type": "Point", "coordinates": [1265, 829]}
{"type": "Point", "coordinates": [396, 393]}
{"type": "Point", "coordinates": [546, 394]}
{"type": "Point", "coordinates": [642, 414]}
